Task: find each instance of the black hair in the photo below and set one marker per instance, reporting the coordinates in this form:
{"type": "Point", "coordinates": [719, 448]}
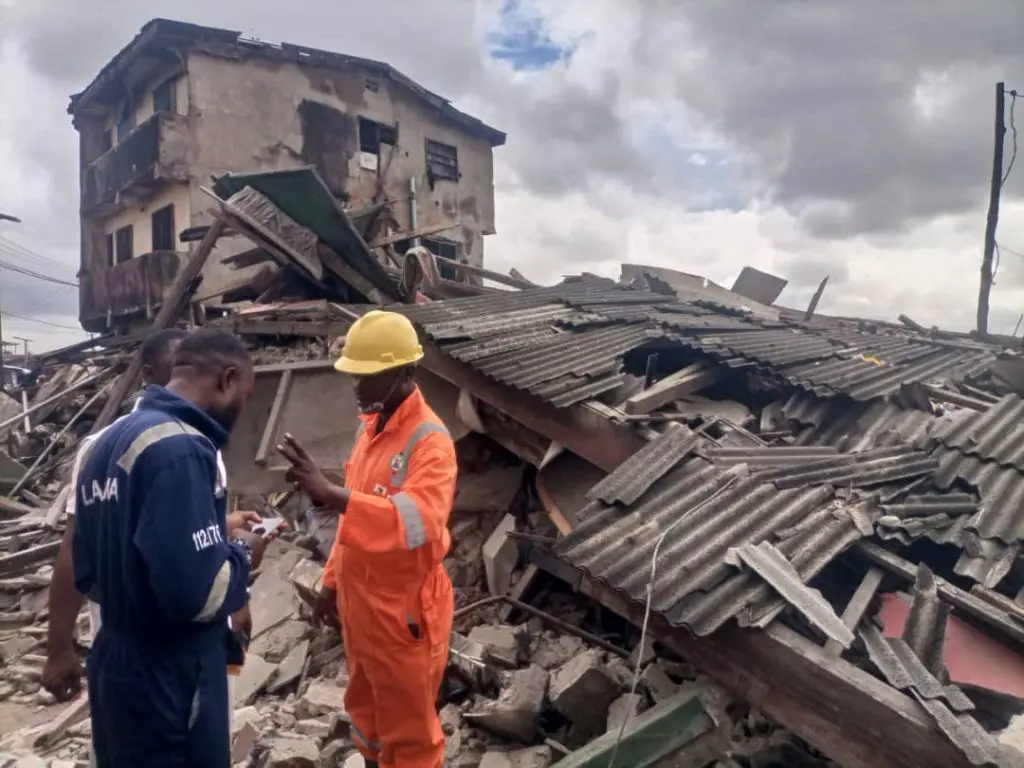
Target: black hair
{"type": "Point", "coordinates": [156, 344]}
{"type": "Point", "coordinates": [211, 350]}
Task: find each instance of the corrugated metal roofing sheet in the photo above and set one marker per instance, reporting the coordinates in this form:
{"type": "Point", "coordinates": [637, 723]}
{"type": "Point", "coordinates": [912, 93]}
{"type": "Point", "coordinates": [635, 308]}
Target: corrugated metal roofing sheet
{"type": "Point", "coordinates": [646, 467]}
{"type": "Point", "coordinates": [996, 434]}
{"type": "Point", "coordinates": [858, 470]}
{"type": "Point", "coordinates": [699, 512]}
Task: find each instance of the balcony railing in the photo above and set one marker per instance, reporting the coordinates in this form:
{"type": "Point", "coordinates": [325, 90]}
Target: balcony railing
{"type": "Point", "coordinates": [136, 286]}
{"type": "Point", "coordinates": [157, 149]}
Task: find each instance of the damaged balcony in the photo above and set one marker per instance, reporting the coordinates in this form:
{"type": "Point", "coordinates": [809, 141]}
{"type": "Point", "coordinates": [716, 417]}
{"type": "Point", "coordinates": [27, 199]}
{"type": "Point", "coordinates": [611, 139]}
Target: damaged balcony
{"type": "Point", "coordinates": [156, 150]}
{"type": "Point", "coordinates": [133, 287]}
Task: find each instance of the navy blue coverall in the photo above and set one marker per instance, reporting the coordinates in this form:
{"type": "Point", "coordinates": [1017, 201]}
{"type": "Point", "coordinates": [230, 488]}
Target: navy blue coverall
{"type": "Point", "coordinates": [150, 547]}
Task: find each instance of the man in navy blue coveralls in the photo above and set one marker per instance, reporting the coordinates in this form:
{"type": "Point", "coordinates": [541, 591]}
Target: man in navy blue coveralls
{"type": "Point", "coordinates": [151, 547]}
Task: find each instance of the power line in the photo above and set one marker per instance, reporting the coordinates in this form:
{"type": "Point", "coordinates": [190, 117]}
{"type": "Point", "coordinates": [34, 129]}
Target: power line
{"type": "Point", "coordinates": [32, 273]}
{"type": "Point", "coordinates": [43, 322]}
{"type": "Point", "coordinates": [17, 248]}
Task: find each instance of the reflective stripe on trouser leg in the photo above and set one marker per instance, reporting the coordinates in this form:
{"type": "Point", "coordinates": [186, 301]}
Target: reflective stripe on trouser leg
{"type": "Point", "coordinates": [361, 706]}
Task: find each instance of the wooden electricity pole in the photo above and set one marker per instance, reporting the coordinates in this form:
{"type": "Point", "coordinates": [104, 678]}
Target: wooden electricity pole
{"type": "Point", "coordinates": [985, 289]}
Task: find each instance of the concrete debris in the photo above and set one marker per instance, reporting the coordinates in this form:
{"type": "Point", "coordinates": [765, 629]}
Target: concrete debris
{"type": "Point", "coordinates": [534, 757]}
{"type": "Point", "coordinates": [502, 644]}
{"type": "Point", "coordinates": [500, 554]}
{"type": "Point", "coordinates": [627, 706]}
{"type": "Point", "coordinates": [822, 396]}
{"type": "Point", "coordinates": [515, 714]}
{"type": "Point", "coordinates": [582, 691]}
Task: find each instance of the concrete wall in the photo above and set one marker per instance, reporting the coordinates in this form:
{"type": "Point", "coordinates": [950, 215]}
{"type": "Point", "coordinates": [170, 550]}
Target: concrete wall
{"type": "Point", "coordinates": [259, 115]}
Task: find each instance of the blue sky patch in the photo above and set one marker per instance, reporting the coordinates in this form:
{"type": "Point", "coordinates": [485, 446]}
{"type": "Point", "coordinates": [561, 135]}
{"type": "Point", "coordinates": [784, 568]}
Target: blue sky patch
{"type": "Point", "coordinates": [521, 40]}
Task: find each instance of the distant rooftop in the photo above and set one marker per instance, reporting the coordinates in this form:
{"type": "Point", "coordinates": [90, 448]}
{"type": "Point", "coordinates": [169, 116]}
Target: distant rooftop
{"type": "Point", "coordinates": [159, 36]}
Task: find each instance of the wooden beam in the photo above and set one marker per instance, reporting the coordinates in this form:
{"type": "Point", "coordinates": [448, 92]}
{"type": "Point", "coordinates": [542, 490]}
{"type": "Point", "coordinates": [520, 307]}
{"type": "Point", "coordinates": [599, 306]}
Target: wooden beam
{"type": "Point", "coordinates": [955, 398]}
{"type": "Point", "coordinates": [284, 387]}
{"type": "Point", "coordinates": [398, 237]}
{"type": "Point", "coordinates": [487, 274]}
{"type": "Point", "coordinates": [857, 605]}
{"type": "Point", "coordinates": [691, 379]}
{"type": "Point", "coordinates": [183, 285]}
{"type": "Point", "coordinates": [27, 557]}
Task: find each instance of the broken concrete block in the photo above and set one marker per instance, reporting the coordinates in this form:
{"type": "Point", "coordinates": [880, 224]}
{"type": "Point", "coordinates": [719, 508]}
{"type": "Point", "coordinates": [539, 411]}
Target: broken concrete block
{"type": "Point", "coordinates": [582, 691]}
{"type": "Point", "coordinates": [321, 698]}
{"type": "Point", "coordinates": [274, 644]}
{"type": "Point", "coordinates": [492, 490]}
{"type": "Point", "coordinates": [273, 599]}
{"type": "Point", "coordinates": [254, 676]}
{"type": "Point", "coordinates": [243, 741]}
{"type": "Point", "coordinates": [504, 645]}
{"type": "Point", "coordinates": [287, 752]}
{"type": "Point", "coordinates": [534, 757]}
{"type": "Point", "coordinates": [290, 669]}
{"type": "Point", "coordinates": [14, 648]}
{"type": "Point", "coordinates": [514, 714]}
{"type": "Point", "coordinates": [657, 683]}
{"type": "Point", "coordinates": [624, 708]}
{"type": "Point", "coordinates": [314, 728]}
{"type": "Point", "coordinates": [554, 650]}
{"type": "Point", "coordinates": [500, 555]}
{"type": "Point", "coordinates": [306, 577]}
{"type": "Point", "coordinates": [354, 761]}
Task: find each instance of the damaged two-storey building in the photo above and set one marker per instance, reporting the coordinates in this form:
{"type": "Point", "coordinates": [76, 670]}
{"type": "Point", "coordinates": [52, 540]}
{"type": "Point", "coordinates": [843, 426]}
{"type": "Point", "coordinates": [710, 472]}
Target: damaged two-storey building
{"type": "Point", "coordinates": [182, 103]}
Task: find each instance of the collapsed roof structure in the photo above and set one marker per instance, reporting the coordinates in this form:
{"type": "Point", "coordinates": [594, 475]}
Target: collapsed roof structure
{"type": "Point", "coordinates": [815, 513]}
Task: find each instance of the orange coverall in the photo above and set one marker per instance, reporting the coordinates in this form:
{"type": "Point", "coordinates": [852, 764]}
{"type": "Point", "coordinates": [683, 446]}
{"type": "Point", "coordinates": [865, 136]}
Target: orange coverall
{"type": "Point", "coordinates": [394, 596]}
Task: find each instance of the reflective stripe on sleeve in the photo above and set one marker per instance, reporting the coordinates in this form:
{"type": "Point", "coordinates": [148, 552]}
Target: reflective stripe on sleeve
{"type": "Point", "coordinates": [218, 593]}
{"type": "Point", "coordinates": [424, 429]}
{"type": "Point", "coordinates": [415, 533]}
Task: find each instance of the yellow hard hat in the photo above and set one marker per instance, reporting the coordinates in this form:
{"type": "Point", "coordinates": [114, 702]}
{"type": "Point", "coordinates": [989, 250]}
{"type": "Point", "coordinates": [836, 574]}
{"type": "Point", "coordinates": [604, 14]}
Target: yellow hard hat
{"type": "Point", "coordinates": [377, 342]}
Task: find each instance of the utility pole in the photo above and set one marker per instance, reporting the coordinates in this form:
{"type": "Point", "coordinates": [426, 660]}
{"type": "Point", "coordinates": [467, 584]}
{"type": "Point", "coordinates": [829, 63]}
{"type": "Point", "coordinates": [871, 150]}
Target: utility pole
{"type": "Point", "coordinates": [985, 289]}
{"type": "Point", "coordinates": [3, 371]}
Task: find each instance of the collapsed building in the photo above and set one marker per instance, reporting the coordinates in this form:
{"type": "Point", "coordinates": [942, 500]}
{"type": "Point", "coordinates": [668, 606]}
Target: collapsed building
{"type": "Point", "coordinates": [690, 529]}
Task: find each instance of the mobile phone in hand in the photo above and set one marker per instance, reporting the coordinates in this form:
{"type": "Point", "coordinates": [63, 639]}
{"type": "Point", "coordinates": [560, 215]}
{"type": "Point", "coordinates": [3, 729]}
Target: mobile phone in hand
{"type": "Point", "coordinates": [268, 526]}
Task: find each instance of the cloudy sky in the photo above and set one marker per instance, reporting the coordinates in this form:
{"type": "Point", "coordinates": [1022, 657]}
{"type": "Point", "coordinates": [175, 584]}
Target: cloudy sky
{"type": "Point", "coordinates": [806, 139]}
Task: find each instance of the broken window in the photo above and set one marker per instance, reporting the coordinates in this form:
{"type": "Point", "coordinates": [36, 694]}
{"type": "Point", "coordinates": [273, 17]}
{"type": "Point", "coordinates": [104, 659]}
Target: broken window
{"type": "Point", "coordinates": [108, 140]}
{"type": "Point", "coordinates": [163, 97]}
{"type": "Point", "coordinates": [443, 249]}
{"type": "Point", "coordinates": [124, 248]}
{"type": "Point", "coordinates": [110, 251]}
{"type": "Point", "coordinates": [372, 134]}
{"type": "Point", "coordinates": [163, 229]}
{"type": "Point", "coordinates": [442, 161]}
{"type": "Point", "coordinates": [125, 125]}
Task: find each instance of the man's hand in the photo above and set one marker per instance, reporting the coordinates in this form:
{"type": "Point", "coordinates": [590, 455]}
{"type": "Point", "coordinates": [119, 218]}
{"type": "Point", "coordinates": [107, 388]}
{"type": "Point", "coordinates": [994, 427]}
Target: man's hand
{"type": "Point", "coordinates": [62, 673]}
{"type": "Point", "coordinates": [257, 544]}
{"type": "Point", "coordinates": [242, 521]}
{"type": "Point", "coordinates": [241, 621]}
{"type": "Point", "coordinates": [304, 474]}
{"type": "Point", "coordinates": [325, 612]}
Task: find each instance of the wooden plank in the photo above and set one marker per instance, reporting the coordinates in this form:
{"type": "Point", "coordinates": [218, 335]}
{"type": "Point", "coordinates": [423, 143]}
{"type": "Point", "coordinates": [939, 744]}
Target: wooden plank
{"type": "Point", "coordinates": [284, 387]}
{"type": "Point", "coordinates": [958, 598]}
{"type": "Point", "coordinates": [301, 366]}
{"type": "Point", "coordinates": [955, 398]}
{"type": "Point", "coordinates": [9, 508]}
{"type": "Point", "coordinates": [487, 274]}
{"type": "Point", "coordinates": [857, 605]}
{"type": "Point", "coordinates": [73, 714]}
{"type": "Point", "coordinates": [398, 237]}
{"type": "Point", "coordinates": [62, 395]}
{"type": "Point", "coordinates": [663, 730]}
{"type": "Point", "coordinates": [691, 379]}
{"type": "Point", "coordinates": [183, 286]}
{"type": "Point", "coordinates": [28, 557]}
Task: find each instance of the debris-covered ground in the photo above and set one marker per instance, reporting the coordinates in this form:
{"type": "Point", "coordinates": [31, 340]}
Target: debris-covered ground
{"type": "Point", "coordinates": [816, 521]}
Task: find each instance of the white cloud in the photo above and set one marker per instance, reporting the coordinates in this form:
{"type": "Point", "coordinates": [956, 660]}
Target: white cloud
{"type": "Point", "coordinates": [579, 187]}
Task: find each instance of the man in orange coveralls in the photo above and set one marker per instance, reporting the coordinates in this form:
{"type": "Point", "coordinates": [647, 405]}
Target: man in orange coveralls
{"type": "Point", "coordinates": [384, 574]}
